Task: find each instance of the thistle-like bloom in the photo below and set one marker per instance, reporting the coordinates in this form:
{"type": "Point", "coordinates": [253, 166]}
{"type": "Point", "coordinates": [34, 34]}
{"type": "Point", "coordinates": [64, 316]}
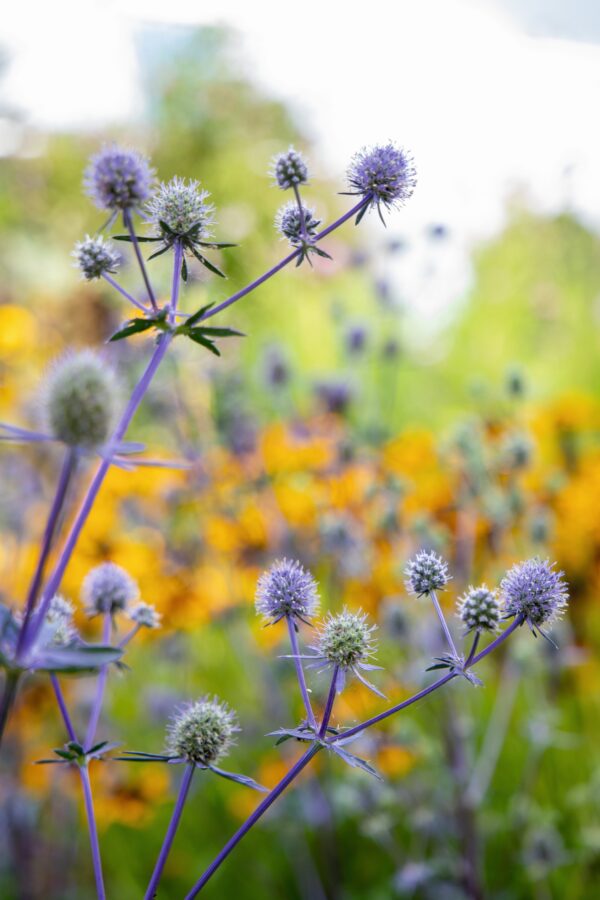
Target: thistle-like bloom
{"type": "Point", "coordinates": [80, 400]}
{"type": "Point", "coordinates": [287, 589]}
{"type": "Point", "coordinates": [108, 589]}
{"type": "Point", "coordinates": [202, 732]}
{"type": "Point", "coordinates": [479, 609]}
{"type": "Point", "coordinates": [384, 173]}
{"type": "Point", "coordinates": [535, 590]}
{"type": "Point", "coordinates": [289, 169]}
{"type": "Point", "coordinates": [94, 257]}
{"type": "Point", "coordinates": [288, 223]}
{"type": "Point", "coordinates": [118, 178]}
{"type": "Point", "coordinates": [60, 619]}
{"type": "Point", "coordinates": [426, 572]}
{"type": "Point", "coordinates": [179, 210]}
{"type": "Point", "coordinates": [345, 641]}
{"type": "Point", "coordinates": [146, 615]}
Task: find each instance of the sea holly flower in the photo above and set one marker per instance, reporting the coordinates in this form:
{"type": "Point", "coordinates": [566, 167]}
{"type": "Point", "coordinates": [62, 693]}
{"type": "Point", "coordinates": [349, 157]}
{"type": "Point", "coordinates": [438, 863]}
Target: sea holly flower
{"type": "Point", "coordinates": [384, 174]}
{"type": "Point", "coordinates": [536, 591]}
{"type": "Point", "coordinates": [289, 169]}
{"type": "Point", "coordinates": [426, 572]}
{"type": "Point", "coordinates": [60, 615]}
{"type": "Point", "coordinates": [145, 615]}
{"type": "Point", "coordinates": [118, 178]}
{"type": "Point", "coordinates": [479, 609]}
{"type": "Point", "coordinates": [95, 257]}
{"type": "Point", "coordinates": [299, 226]}
{"type": "Point", "coordinates": [287, 589]}
{"type": "Point", "coordinates": [108, 588]}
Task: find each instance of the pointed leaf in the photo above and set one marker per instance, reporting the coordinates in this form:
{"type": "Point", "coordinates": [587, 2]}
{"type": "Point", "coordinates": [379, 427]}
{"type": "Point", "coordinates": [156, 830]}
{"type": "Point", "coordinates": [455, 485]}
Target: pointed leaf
{"type": "Point", "coordinates": [196, 336]}
{"type": "Point", "coordinates": [205, 262]}
{"type": "Point", "coordinates": [75, 658]}
{"type": "Point", "coordinates": [240, 779]}
{"type": "Point", "coordinates": [355, 761]}
{"type": "Point", "coordinates": [159, 252]}
{"type": "Point", "coordinates": [139, 238]}
{"type": "Point", "coordinates": [134, 326]}
{"type": "Point", "coordinates": [199, 313]}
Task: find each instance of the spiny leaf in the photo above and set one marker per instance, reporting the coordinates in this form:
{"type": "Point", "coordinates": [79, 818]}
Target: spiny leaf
{"type": "Point", "coordinates": [139, 239]}
{"type": "Point", "coordinates": [205, 262]}
{"type": "Point", "coordinates": [198, 314]}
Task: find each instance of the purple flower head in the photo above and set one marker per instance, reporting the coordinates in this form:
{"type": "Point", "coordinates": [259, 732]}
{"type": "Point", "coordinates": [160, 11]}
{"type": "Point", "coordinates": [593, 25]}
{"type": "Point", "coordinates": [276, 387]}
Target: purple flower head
{"type": "Point", "coordinates": [179, 209]}
{"type": "Point", "coordinates": [356, 339]}
{"type": "Point", "coordinates": [479, 609]}
{"type": "Point", "coordinates": [108, 589]}
{"type": "Point", "coordinates": [118, 178]}
{"type": "Point", "coordinates": [534, 589]}
{"type": "Point", "coordinates": [146, 615]}
{"type": "Point", "coordinates": [80, 399]}
{"type": "Point", "coordinates": [286, 589]}
{"type": "Point", "coordinates": [94, 256]}
{"type": "Point", "coordinates": [288, 223]}
{"type": "Point", "coordinates": [202, 732]}
{"type": "Point", "coordinates": [289, 169]}
{"type": "Point", "coordinates": [335, 396]}
{"type": "Point", "coordinates": [60, 619]}
{"type": "Point", "coordinates": [386, 173]}
{"type": "Point", "coordinates": [426, 572]}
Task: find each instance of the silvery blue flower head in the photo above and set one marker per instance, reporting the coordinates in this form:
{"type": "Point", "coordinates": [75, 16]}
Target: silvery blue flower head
{"type": "Point", "coordinates": [535, 590]}
{"type": "Point", "coordinates": [288, 223]}
{"type": "Point", "coordinates": [202, 732]}
{"type": "Point", "coordinates": [345, 641]}
{"type": "Point", "coordinates": [108, 588]}
{"type": "Point", "coordinates": [94, 257]}
{"type": "Point", "coordinates": [146, 615]}
{"type": "Point", "coordinates": [80, 399]}
{"type": "Point", "coordinates": [118, 178]}
{"type": "Point", "coordinates": [479, 609]}
{"type": "Point", "coordinates": [289, 169]}
{"type": "Point", "coordinates": [385, 173]}
{"type": "Point", "coordinates": [426, 572]}
{"type": "Point", "coordinates": [179, 210]}
{"type": "Point", "coordinates": [287, 589]}
{"type": "Point", "coordinates": [60, 619]}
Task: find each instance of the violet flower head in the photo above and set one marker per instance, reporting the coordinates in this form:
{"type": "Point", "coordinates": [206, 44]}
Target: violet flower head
{"type": "Point", "coordinates": [60, 619]}
{"type": "Point", "coordinates": [288, 223]}
{"type": "Point", "coordinates": [345, 641]}
{"type": "Point", "coordinates": [287, 589]}
{"type": "Point", "coordinates": [118, 178]}
{"type": "Point", "coordinates": [179, 210]}
{"type": "Point", "coordinates": [80, 399]}
{"type": "Point", "coordinates": [94, 257]}
{"type": "Point", "coordinates": [289, 169]}
{"type": "Point", "coordinates": [202, 732]}
{"type": "Point", "coordinates": [385, 172]}
{"type": "Point", "coordinates": [426, 572]}
{"type": "Point", "coordinates": [146, 615]}
{"type": "Point", "coordinates": [479, 609]}
{"type": "Point", "coordinates": [535, 590]}
{"type": "Point", "coordinates": [108, 588]}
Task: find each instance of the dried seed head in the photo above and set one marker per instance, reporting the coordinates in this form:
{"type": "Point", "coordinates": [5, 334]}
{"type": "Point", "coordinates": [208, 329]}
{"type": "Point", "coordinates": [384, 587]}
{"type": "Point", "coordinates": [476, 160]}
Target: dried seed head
{"type": "Point", "coordinates": [289, 169]}
{"type": "Point", "coordinates": [80, 399]}
{"type": "Point", "coordinates": [182, 207]}
{"type": "Point", "coordinates": [536, 591]}
{"type": "Point", "coordinates": [345, 639]}
{"type": "Point", "coordinates": [118, 178]}
{"type": "Point", "coordinates": [202, 732]}
{"type": "Point", "coordinates": [94, 257]}
{"type": "Point", "coordinates": [108, 589]}
{"type": "Point", "coordinates": [286, 589]}
{"type": "Point", "coordinates": [386, 172]}
{"type": "Point", "coordinates": [426, 572]}
{"type": "Point", "coordinates": [146, 615]}
{"type": "Point", "coordinates": [479, 609]}
{"type": "Point", "coordinates": [288, 223]}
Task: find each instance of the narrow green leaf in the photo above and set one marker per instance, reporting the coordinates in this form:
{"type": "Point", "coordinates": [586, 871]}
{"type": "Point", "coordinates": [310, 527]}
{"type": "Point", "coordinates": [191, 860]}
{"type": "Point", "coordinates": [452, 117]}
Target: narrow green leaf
{"type": "Point", "coordinates": [198, 339]}
{"type": "Point", "coordinates": [206, 263]}
{"type": "Point", "coordinates": [134, 326]}
{"type": "Point", "coordinates": [198, 314]}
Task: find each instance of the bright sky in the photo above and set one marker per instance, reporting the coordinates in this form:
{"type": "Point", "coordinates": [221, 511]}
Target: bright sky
{"type": "Point", "coordinates": [484, 107]}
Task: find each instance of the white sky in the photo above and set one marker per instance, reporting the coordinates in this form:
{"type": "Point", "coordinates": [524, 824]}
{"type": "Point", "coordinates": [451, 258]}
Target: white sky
{"type": "Point", "coordinates": [484, 107]}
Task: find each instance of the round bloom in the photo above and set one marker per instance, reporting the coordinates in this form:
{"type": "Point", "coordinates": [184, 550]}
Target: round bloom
{"type": "Point", "coordinates": [345, 639]}
{"type": "Point", "coordinates": [479, 609]}
{"type": "Point", "coordinates": [534, 589]}
{"type": "Point", "coordinates": [118, 178]}
{"type": "Point", "coordinates": [426, 572]}
{"type": "Point", "coordinates": [181, 206]}
{"type": "Point", "coordinates": [385, 172]}
{"type": "Point", "coordinates": [95, 256]}
{"type": "Point", "coordinates": [202, 732]}
{"type": "Point", "coordinates": [60, 618]}
{"type": "Point", "coordinates": [80, 399]}
{"type": "Point", "coordinates": [289, 169]}
{"type": "Point", "coordinates": [286, 589]}
{"type": "Point", "coordinates": [108, 589]}
{"type": "Point", "coordinates": [288, 223]}
{"type": "Point", "coordinates": [146, 615]}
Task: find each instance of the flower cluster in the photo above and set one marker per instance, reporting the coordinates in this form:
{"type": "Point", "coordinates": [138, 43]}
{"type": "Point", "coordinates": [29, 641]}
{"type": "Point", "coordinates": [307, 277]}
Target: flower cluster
{"type": "Point", "coordinates": [295, 225]}
{"type": "Point", "coordinates": [202, 732]}
{"type": "Point", "coordinates": [479, 609]}
{"type": "Point", "coordinates": [426, 572]}
{"type": "Point", "coordinates": [385, 173]}
{"type": "Point", "coordinates": [60, 619]}
{"type": "Point", "coordinates": [289, 169]}
{"type": "Point", "coordinates": [146, 615]}
{"type": "Point", "coordinates": [118, 178]}
{"type": "Point", "coordinates": [80, 400]}
{"type": "Point", "coordinates": [179, 209]}
{"type": "Point", "coordinates": [95, 257]}
{"type": "Point", "coordinates": [108, 588]}
{"type": "Point", "coordinates": [287, 589]}
{"type": "Point", "coordinates": [536, 591]}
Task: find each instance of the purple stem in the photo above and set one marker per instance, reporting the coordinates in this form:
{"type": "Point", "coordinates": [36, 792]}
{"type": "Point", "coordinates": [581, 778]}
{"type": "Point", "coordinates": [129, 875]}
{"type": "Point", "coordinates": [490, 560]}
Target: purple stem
{"type": "Point", "coordinates": [300, 672]}
{"type": "Point", "coordinates": [330, 702]}
{"type": "Point", "coordinates": [284, 262]}
{"type": "Point", "coordinates": [100, 688]}
{"type": "Point", "coordinates": [473, 649]}
{"type": "Point", "coordinates": [124, 293]}
{"type": "Point", "coordinates": [171, 831]}
{"type": "Point", "coordinates": [63, 707]}
{"type": "Point", "coordinates": [129, 226]}
{"type": "Point", "coordinates": [253, 819]}
{"type": "Point", "coordinates": [91, 820]}
{"type": "Point", "coordinates": [444, 624]}
{"type": "Point", "coordinates": [301, 211]}
{"type": "Point", "coordinates": [66, 472]}
{"type": "Point", "coordinates": [130, 635]}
